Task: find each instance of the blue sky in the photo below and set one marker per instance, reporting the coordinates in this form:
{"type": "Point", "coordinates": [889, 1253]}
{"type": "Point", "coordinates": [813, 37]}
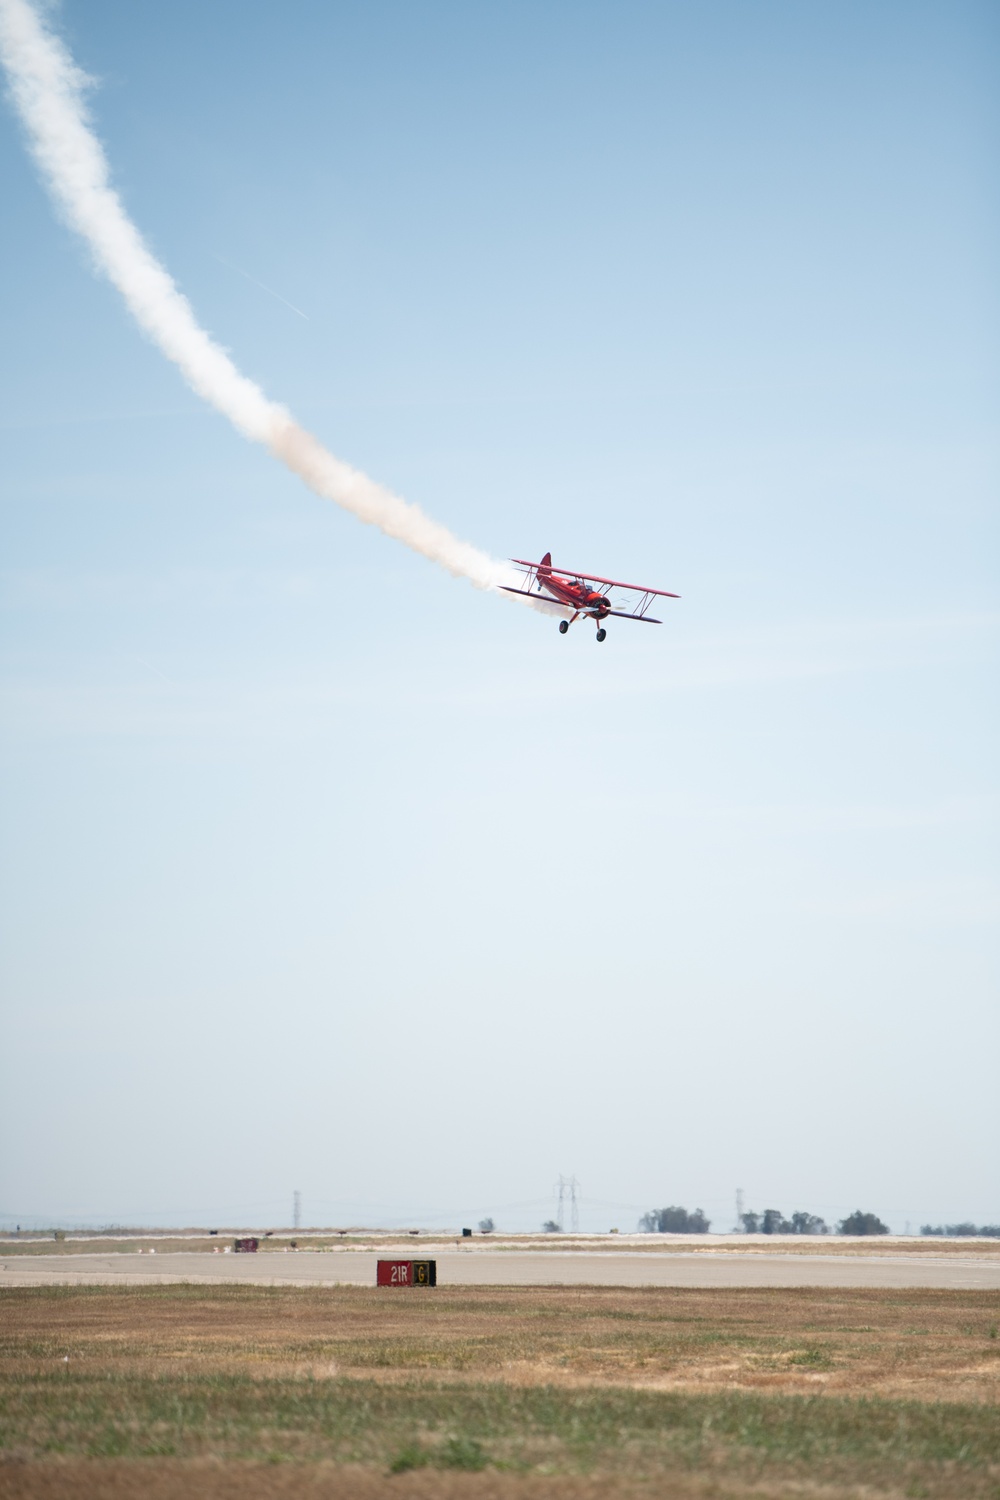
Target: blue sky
{"type": "Point", "coordinates": [320, 869]}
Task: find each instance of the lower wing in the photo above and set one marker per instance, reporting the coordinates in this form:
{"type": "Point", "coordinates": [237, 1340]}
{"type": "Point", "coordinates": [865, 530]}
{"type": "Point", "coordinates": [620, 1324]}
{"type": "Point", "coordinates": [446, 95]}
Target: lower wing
{"type": "Point", "coordinates": [536, 598]}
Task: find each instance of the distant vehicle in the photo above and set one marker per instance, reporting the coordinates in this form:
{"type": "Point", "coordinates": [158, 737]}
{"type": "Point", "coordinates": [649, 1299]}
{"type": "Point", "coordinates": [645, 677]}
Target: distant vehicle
{"type": "Point", "coordinates": [584, 593]}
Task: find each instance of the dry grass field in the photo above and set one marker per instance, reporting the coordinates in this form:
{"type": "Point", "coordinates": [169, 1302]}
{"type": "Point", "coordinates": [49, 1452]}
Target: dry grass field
{"type": "Point", "coordinates": [196, 1242]}
{"type": "Point", "coordinates": [476, 1392]}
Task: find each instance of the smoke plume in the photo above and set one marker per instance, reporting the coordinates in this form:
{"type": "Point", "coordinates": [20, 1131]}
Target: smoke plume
{"type": "Point", "coordinates": [47, 89]}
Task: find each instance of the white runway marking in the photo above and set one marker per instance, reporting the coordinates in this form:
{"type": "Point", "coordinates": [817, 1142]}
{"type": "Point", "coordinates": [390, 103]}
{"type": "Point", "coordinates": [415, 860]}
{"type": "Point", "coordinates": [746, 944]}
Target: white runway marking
{"type": "Point", "coordinates": [486, 1268]}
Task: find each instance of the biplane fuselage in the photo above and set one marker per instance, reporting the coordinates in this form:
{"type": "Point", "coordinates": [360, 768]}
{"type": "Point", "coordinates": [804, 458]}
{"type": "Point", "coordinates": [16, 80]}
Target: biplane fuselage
{"type": "Point", "coordinates": [574, 593]}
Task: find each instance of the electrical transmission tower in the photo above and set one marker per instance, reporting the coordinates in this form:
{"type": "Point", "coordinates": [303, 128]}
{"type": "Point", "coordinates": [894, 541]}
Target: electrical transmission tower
{"type": "Point", "coordinates": [297, 1209]}
{"type": "Point", "coordinates": [568, 1187]}
{"type": "Point", "coordinates": [739, 1210]}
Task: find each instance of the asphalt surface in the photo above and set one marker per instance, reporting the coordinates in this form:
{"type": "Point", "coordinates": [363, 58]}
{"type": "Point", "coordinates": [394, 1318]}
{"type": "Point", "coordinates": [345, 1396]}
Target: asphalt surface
{"type": "Point", "coordinates": [512, 1268]}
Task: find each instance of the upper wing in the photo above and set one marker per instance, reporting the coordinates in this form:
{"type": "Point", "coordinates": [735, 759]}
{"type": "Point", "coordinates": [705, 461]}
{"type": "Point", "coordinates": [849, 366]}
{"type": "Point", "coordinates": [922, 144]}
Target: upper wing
{"type": "Point", "coordinates": [615, 583]}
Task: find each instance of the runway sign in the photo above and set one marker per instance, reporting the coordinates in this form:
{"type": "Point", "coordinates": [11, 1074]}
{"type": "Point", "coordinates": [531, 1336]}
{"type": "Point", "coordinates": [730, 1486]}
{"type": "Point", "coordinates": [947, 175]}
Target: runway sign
{"type": "Point", "coordinates": [406, 1273]}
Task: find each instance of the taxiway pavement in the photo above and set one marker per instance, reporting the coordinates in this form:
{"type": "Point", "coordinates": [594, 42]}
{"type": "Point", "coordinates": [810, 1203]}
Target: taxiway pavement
{"type": "Point", "coordinates": [512, 1268]}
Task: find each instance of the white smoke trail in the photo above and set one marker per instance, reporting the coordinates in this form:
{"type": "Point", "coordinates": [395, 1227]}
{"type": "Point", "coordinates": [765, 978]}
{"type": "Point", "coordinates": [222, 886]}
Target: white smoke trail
{"type": "Point", "coordinates": [47, 89]}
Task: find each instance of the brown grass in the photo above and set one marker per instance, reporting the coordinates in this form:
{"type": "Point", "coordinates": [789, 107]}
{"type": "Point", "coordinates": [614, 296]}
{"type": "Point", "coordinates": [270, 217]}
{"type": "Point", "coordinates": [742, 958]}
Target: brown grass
{"type": "Point", "coordinates": [917, 1344]}
{"type": "Point", "coordinates": [735, 1394]}
{"type": "Point", "coordinates": [166, 1479]}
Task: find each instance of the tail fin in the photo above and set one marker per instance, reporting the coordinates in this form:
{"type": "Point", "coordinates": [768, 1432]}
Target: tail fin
{"type": "Point", "coordinates": [545, 566]}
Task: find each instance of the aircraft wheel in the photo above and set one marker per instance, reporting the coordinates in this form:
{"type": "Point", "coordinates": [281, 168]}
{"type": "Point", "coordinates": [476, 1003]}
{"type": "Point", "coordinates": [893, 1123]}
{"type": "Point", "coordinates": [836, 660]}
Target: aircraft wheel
{"type": "Point", "coordinates": [601, 634]}
{"type": "Point", "coordinates": [563, 626]}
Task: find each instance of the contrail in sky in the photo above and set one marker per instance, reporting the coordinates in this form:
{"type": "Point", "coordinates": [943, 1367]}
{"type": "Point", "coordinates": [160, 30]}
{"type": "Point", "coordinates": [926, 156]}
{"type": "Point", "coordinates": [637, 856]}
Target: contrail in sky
{"type": "Point", "coordinates": [254, 282]}
{"type": "Point", "coordinates": [47, 89]}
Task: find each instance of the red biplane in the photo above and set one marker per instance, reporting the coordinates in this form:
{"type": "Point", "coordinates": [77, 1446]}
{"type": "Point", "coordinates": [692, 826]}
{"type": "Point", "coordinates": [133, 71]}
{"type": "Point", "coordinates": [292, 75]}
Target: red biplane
{"type": "Point", "coordinates": [583, 593]}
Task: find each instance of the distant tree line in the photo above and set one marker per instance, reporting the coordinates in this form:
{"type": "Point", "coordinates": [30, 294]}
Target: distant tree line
{"type": "Point", "coordinates": [772, 1221]}
{"type": "Point", "coordinates": [677, 1220]}
{"type": "Point", "coordinates": [987, 1231]}
{"type": "Point", "coordinates": [674, 1220]}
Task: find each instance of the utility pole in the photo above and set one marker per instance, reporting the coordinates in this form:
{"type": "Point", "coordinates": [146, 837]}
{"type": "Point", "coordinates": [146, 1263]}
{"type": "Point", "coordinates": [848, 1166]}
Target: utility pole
{"type": "Point", "coordinates": [297, 1209]}
{"type": "Point", "coordinates": [568, 1187]}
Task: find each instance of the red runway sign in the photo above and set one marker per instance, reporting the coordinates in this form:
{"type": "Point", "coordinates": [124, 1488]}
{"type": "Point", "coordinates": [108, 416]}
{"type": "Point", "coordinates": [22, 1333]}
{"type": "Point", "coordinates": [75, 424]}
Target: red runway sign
{"type": "Point", "coordinates": [406, 1273]}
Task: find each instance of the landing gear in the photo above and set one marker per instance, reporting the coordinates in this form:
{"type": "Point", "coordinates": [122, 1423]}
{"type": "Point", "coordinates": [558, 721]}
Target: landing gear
{"type": "Point", "coordinates": [602, 634]}
{"type": "Point", "coordinates": [563, 626]}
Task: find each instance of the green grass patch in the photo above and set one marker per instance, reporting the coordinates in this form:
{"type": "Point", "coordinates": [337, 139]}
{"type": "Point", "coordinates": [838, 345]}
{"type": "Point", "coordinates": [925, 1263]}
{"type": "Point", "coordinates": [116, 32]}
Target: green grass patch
{"type": "Point", "coordinates": [812, 1359]}
{"type": "Point", "coordinates": [467, 1426]}
{"type": "Point", "coordinates": [457, 1453]}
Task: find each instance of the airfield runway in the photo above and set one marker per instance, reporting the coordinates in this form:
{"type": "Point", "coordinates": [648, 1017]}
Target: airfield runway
{"type": "Point", "coordinates": [525, 1268]}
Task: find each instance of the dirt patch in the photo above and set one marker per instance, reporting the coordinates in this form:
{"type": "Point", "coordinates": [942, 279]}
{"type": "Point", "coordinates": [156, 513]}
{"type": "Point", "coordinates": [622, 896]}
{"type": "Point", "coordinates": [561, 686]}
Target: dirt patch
{"type": "Point", "coordinates": [158, 1479]}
